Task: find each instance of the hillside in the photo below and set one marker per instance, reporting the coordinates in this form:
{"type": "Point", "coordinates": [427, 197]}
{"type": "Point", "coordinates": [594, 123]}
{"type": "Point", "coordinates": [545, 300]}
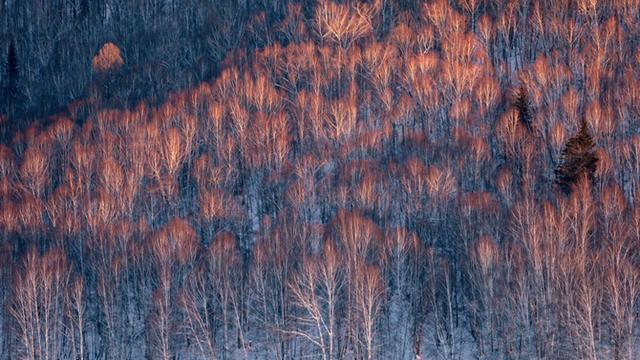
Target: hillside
{"type": "Point", "coordinates": [345, 180]}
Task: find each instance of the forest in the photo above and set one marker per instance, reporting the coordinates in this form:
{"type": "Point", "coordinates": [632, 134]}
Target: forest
{"type": "Point", "coordinates": [320, 179]}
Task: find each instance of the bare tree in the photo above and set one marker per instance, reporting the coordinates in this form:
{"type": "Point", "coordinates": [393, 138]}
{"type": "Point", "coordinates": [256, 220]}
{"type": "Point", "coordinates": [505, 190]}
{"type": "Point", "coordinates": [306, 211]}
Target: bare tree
{"type": "Point", "coordinates": [369, 297]}
{"type": "Point", "coordinates": [37, 305]}
{"type": "Point", "coordinates": [316, 292]}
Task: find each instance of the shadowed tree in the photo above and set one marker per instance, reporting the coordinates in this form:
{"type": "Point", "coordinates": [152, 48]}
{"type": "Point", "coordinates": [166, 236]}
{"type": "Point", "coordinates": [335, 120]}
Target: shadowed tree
{"type": "Point", "coordinates": [523, 107]}
{"type": "Point", "coordinates": [11, 91]}
{"type": "Point", "coordinates": [578, 158]}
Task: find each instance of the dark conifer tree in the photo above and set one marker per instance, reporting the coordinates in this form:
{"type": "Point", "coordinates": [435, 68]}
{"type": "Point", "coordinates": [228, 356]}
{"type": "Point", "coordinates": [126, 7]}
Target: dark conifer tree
{"type": "Point", "coordinates": [11, 91]}
{"type": "Point", "coordinates": [523, 107]}
{"type": "Point", "coordinates": [578, 159]}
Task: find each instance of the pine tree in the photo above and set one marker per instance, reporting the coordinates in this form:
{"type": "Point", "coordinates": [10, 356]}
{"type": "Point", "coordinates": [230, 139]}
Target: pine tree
{"type": "Point", "coordinates": [11, 91]}
{"type": "Point", "coordinates": [523, 107]}
{"type": "Point", "coordinates": [578, 159]}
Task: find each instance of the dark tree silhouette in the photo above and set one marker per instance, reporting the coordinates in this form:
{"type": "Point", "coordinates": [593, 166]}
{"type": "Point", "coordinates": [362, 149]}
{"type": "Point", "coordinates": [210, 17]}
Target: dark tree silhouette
{"type": "Point", "coordinates": [11, 91]}
{"type": "Point", "coordinates": [578, 158]}
{"type": "Point", "coordinates": [523, 106]}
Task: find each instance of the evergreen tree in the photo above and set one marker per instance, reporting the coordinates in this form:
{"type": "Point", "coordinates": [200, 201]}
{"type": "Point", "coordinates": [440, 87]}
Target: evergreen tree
{"type": "Point", "coordinates": [523, 107]}
{"type": "Point", "coordinates": [11, 91]}
{"type": "Point", "coordinates": [578, 159]}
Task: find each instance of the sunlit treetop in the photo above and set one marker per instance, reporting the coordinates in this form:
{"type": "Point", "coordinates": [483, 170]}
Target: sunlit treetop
{"type": "Point", "coordinates": [108, 59]}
